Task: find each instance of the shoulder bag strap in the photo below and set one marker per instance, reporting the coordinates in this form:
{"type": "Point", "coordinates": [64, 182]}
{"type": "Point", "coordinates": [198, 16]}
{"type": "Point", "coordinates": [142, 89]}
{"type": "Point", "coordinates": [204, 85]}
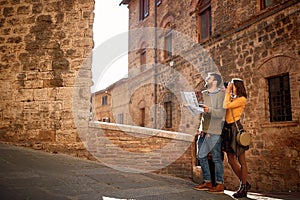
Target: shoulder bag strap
{"type": "Point", "coordinates": [234, 120]}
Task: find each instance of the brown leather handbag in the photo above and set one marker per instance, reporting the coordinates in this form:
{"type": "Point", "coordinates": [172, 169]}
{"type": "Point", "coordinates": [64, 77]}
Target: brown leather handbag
{"type": "Point", "coordinates": [243, 137]}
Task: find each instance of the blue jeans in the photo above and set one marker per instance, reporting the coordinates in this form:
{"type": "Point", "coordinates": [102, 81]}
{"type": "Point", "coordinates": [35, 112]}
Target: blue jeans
{"type": "Point", "coordinates": [211, 143]}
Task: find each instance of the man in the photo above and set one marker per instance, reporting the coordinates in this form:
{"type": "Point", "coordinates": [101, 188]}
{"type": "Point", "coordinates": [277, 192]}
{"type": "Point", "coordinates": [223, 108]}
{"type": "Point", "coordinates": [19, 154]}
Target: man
{"type": "Point", "coordinates": [210, 134]}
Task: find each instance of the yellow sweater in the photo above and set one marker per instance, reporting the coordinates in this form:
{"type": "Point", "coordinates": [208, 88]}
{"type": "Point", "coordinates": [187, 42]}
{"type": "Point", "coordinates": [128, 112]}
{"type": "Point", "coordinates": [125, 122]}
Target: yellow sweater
{"type": "Point", "coordinates": [237, 106]}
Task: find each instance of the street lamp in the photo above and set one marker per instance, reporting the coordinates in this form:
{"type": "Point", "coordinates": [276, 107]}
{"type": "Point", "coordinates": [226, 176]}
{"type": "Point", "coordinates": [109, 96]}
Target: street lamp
{"type": "Point", "coordinates": [106, 92]}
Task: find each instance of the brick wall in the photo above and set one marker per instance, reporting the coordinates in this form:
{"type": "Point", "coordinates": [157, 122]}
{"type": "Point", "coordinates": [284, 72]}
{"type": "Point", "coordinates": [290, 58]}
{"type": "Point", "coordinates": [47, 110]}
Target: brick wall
{"type": "Point", "coordinates": [264, 49]}
{"type": "Point", "coordinates": [138, 149]}
{"type": "Point", "coordinates": [246, 42]}
{"type": "Point", "coordinates": [45, 73]}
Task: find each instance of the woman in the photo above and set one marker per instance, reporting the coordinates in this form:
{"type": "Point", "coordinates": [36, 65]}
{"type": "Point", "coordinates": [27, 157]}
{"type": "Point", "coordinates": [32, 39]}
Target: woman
{"type": "Point", "coordinates": [234, 103]}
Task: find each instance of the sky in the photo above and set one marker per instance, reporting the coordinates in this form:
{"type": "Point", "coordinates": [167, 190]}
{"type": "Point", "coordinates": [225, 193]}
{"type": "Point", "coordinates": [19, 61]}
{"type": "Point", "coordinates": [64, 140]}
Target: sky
{"type": "Point", "coordinates": [110, 20]}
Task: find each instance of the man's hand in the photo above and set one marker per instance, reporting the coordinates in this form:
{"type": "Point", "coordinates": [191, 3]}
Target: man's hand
{"type": "Point", "coordinates": [205, 108]}
{"type": "Point", "coordinates": [201, 133]}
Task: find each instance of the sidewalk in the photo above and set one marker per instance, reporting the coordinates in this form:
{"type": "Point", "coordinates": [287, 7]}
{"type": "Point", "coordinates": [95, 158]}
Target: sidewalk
{"type": "Point", "coordinates": [29, 174]}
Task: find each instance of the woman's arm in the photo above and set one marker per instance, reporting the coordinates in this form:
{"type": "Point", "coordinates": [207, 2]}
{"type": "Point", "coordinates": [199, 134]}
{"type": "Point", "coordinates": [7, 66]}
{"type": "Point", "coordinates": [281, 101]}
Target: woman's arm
{"type": "Point", "coordinates": [240, 101]}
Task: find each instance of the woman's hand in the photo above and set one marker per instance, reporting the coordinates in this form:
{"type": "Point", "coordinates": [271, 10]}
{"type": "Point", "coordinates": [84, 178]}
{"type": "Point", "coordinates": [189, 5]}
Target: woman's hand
{"type": "Point", "coordinates": [229, 88]}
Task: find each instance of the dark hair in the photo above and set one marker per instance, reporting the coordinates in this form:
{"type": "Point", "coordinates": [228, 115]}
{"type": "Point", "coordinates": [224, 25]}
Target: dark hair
{"type": "Point", "coordinates": [240, 88]}
{"type": "Point", "coordinates": [226, 84]}
{"type": "Point", "coordinates": [218, 78]}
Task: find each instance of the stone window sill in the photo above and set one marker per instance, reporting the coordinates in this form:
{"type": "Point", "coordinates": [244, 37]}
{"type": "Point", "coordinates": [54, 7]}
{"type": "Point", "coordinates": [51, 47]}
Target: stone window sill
{"type": "Point", "coordinates": [279, 124]}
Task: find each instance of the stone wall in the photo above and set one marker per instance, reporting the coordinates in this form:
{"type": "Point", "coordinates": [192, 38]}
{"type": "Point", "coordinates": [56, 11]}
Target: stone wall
{"type": "Point", "coordinates": [45, 81]}
{"type": "Point", "coordinates": [45, 49]}
{"type": "Point", "coordinates": [257, 50]}
{"type": "Point", "coordinates": [120, 99]}
{"type": "Point", "coordinates": [247, 42]}
{"type": "Point", "coordinates": [138, 149]}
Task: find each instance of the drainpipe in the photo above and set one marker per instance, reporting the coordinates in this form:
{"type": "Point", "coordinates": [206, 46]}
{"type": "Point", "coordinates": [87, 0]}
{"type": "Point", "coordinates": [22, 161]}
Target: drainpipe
{"type": "Point", "coordinates": [155, 62]}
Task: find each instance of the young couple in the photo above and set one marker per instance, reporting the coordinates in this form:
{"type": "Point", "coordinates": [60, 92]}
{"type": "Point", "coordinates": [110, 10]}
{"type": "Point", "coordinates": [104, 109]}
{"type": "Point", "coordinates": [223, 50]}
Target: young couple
{"type": "Point", "coordinates": [216, 106]}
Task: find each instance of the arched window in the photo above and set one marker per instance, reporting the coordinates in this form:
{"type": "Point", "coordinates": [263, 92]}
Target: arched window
{"type": "Point", "coordinates": [168, 25]}
{"type": "Point", "coordinates": [277, 74]}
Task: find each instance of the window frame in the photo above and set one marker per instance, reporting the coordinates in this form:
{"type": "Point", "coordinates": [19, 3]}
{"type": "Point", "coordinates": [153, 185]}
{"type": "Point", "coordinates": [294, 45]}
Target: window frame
{"type": "Point", "coordinates": [120, 118]}
{"type": "Point", "coordinates": [169, 110]}
{"type": "Point", "coordinates": [104, 100]}
{"type": "Point", "coordinates": [168, 44]}
{"type": "Point", "coordinates": [158, 2]}
{"type": "Point", "coordinates": [143, 116]}
{"type": "Point", "coordinates": [205, 10]}
{"type": "Point", "coordinates": [263, 4]}
{"type": "Point", "coordinates": [144, 9]}
{"type": "Point", "coordinates": [143, 59]}
{"type": "Point", "coordinates": [282, 99]}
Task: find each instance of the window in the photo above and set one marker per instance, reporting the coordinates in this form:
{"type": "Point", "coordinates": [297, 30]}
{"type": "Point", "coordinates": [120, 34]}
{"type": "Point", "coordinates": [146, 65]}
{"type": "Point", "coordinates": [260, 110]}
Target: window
{"type": "Point", "coordinates": [168, 109]}
{"type": "Point", "coordinates": [106, 119]}
{"type": "Point", "coordinates": [143, 114]}
{"type": "Point", "coordinates": [158, 2]}
{"type": "Point", "coordinates": [205, 20]}
{"type": "Point", "coordinates": [268, 3]}
{"type": "Point", "coordinates": [280, 98]}
{"type": "Point", "coordinates": [104, 100]}
{"type": "Point", "coordinates": [143, 59]}
{"type": "Point", "coordinates": [120, 118]}
{"type": "Point", "coordinates": [168, 44]}
{"type": "Point", "coordinates": [144, 9]}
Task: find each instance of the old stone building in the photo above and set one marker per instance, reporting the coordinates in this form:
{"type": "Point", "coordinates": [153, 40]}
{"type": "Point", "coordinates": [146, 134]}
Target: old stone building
{"type": "Point", "coordinates": [45, 80]}
{"type": "Point", "coordinates": [109, 104]}
{"type": "Point", "coordinates": [256, 40]}
{"type": "Point", "coordinates": [45, 73]}
{"type": "Point", "coordinates": [101, 105]}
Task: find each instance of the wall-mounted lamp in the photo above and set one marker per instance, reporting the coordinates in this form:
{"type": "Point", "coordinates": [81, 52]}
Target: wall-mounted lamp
{"type": "Point", "coordinates": [106, 92]}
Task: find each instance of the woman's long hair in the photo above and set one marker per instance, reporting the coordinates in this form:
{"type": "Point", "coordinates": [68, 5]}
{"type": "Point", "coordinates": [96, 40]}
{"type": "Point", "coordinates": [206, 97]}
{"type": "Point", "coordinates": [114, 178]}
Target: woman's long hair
{"type": "Point", "coordinates": [240, 88]}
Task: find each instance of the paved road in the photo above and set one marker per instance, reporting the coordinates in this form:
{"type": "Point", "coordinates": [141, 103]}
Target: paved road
{"type": "Point", "coordinates": [27, 174]}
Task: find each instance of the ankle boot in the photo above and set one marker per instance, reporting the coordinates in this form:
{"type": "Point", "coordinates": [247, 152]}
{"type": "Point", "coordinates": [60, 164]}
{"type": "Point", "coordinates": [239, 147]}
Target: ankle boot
{"type": "Point", "coordinates": [248, 186]}
{"type": "Point", "coordinates": [242, 191]}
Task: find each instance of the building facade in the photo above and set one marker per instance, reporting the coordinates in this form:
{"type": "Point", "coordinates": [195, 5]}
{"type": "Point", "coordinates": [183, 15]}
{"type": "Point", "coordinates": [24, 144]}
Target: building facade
{"type": "Point", "coordinates": [110, 104]}
{"type": "Point", "coordinates": [256, 40]}
{"type": "Point", "coordinates": [101, 105]}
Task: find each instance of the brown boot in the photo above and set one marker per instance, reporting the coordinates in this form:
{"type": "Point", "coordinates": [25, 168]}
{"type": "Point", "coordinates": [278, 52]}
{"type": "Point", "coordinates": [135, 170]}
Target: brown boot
{"type": "Point", "coordinates": [204, 186]}
{"type": "Point", "coordinates": [219, 189]}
